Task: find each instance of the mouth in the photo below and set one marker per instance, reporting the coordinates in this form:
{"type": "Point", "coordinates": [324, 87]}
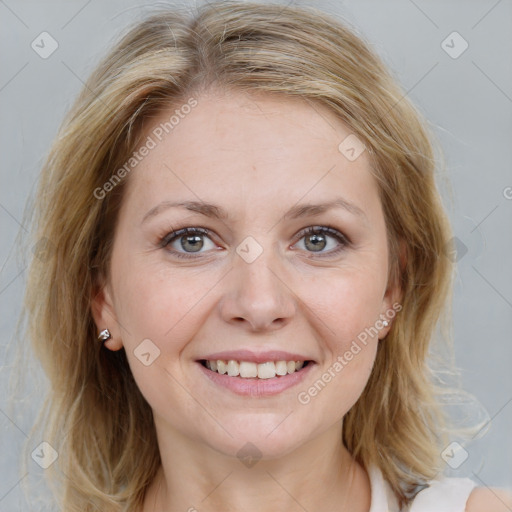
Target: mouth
{"type": "Point", "coordinates": [252, 370]}
{"type": "Point", "coordinates": [255, 374]}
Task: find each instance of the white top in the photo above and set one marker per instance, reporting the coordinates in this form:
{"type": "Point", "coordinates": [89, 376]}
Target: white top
{"type": "Point", "coordinates": [443, 495]}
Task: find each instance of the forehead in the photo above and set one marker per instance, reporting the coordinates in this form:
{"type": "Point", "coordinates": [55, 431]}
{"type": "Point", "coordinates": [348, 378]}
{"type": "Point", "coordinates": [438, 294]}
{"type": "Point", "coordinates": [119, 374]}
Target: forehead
{"type": "Point", "coordinates": [240, 148]}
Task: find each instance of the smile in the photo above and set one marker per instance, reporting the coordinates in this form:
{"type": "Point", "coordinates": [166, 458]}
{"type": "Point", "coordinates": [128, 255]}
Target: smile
{"type": "Point", "coordinates": [252, 370]}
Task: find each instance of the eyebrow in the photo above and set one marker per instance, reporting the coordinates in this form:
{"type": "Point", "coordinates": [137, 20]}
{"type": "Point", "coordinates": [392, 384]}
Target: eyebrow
{"type": "Point", "coordinates": [296, 212]}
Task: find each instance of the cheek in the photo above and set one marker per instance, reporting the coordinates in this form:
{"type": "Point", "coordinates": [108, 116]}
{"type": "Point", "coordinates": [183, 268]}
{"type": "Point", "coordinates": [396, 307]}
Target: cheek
{"type": "Point", "coordinates": [350, 303]}
{"type": "Point", "coordinates": [160, 303]}
{"type": "Point", "coordinates": [345, 316]}
{"type": "Point", "coordinates": [350, 342]}
{"type": "Point", "coordinates": [156, 311]}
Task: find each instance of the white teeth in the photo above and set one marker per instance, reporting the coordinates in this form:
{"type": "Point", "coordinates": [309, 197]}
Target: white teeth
{"type": "Point", "coordinates": [266, 370]}
{"type": "Point", "coordinates": [247, 370]}
{"type": "Point", "coordinates": [233, 370]}
{"type": "Point", "coordinates": [281, 368]}
{"type": "Point", "coordinates": [222, 367]}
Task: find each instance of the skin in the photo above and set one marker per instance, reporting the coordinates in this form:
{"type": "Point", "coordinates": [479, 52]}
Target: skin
{"type": "Point", "coordinates": [495, 500]}
{"type": "Point", "coordinates": [256, 156]}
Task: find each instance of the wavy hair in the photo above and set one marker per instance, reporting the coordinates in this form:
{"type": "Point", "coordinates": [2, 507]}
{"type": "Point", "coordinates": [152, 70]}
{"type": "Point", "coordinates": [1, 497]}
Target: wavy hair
{"type": "Point", "coordinates": [94, 414]}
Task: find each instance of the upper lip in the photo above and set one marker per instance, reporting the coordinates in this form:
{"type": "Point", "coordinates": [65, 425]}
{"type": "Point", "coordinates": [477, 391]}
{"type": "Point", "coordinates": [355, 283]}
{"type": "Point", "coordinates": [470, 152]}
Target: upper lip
{"type": "Point", "coordinates": [255, 357]}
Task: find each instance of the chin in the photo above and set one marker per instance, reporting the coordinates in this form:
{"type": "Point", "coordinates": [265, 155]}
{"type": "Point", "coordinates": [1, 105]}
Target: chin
{"type": "Point", "coordinates": [262, 440]}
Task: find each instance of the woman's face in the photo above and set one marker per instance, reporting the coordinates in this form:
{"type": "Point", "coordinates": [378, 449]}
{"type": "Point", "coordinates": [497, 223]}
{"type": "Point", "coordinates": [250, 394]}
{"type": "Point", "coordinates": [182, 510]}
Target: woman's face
{"type": "Point", "coordinates": [256, 289]}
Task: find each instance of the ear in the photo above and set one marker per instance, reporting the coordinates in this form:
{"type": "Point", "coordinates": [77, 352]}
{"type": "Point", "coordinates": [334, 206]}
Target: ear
{"type": "Point", "coordinates": [103, 313]}
{"type": "Point", "coordinates": [392, 301]}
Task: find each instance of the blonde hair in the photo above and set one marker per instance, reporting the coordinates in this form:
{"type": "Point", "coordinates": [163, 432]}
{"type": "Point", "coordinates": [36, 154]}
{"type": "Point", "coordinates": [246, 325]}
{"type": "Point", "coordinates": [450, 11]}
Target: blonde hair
{"type": "Point", "coordinates": [98, 421]}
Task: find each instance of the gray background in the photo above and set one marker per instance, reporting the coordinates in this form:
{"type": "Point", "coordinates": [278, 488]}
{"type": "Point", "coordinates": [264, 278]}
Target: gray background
{"type": "Point", "coordinates": [468, 101]}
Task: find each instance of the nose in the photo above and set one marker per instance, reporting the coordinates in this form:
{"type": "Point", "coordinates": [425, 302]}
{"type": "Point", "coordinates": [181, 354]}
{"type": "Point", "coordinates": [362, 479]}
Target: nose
{"type": "Point", "coordinates": [257, 295]}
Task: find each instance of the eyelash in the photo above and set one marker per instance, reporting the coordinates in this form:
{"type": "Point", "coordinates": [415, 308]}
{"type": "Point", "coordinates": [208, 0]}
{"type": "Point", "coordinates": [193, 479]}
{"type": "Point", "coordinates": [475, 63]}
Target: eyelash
{"type": "Point", "coordinates": [311, 230]}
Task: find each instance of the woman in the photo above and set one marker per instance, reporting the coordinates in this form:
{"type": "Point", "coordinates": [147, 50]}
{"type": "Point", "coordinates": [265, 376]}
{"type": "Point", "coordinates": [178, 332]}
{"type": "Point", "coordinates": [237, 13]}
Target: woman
{"type": "Point", "coordinates": [246, 272]}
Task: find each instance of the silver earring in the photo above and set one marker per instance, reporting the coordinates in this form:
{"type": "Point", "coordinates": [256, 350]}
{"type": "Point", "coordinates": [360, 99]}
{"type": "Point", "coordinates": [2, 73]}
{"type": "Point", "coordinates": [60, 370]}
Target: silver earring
{"type": "Point", "coordinates": [104, 335]}
{"type": "Point", "coordinates": [385, 323]}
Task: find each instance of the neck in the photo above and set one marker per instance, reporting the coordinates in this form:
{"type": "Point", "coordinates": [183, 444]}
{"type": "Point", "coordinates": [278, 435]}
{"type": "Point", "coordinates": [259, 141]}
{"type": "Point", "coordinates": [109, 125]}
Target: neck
{"type": "Point", "coordinates": [320, 475]}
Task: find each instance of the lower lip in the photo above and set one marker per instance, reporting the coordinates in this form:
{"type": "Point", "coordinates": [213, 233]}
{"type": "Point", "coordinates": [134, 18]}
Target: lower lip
{"type": "Point", "coordinates": [257, 387]}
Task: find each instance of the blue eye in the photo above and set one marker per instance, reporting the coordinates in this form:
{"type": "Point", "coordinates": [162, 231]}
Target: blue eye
{"type": "Point", "coordinates": [189, 239]}
{"type": "Point", "coordinates": [316, 239]}
{"type": "Point", "coordinates": [185, 242]}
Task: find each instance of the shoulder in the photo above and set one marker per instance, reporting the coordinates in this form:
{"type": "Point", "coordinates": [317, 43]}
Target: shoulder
{"type": "Point", "coordinates": [460, 495]}
{"type": "Point", "coordinates": [484, 499]}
